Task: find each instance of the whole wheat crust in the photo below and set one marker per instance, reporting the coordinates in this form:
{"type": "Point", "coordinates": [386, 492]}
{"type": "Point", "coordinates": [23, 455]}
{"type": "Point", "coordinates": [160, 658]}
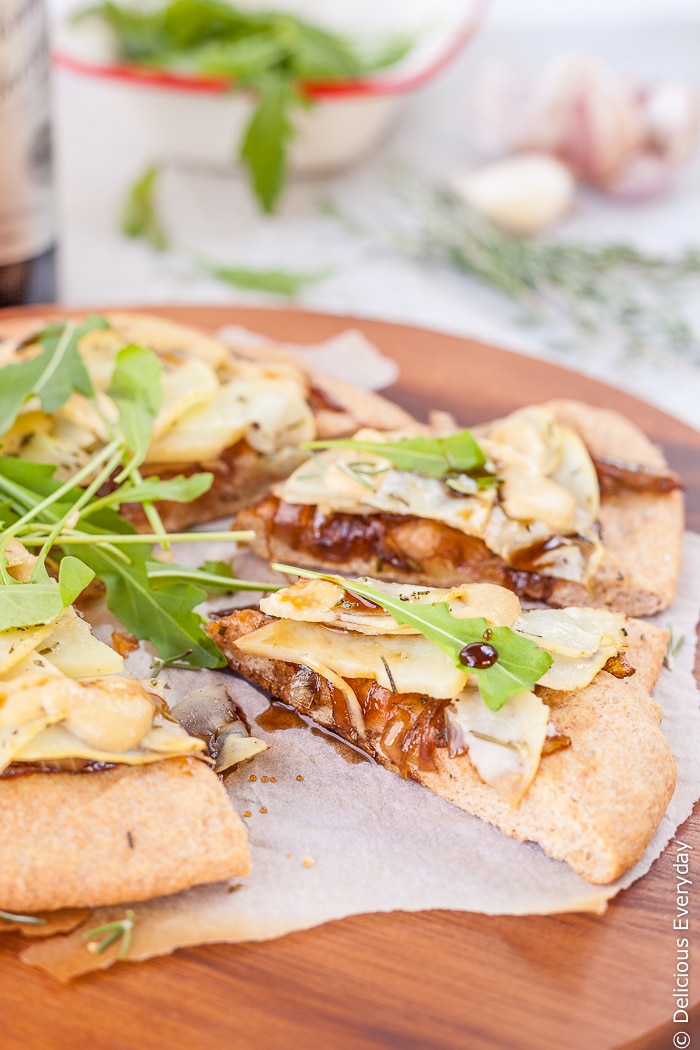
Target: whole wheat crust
{"type": "Point", "coordinates": [595, 804]}
{"type": "Point", "coordinates": [123, 834]}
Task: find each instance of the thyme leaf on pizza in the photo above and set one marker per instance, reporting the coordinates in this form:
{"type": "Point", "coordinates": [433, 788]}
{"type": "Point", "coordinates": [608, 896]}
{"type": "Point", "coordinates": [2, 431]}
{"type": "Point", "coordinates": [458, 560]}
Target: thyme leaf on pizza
{"type": "Point", "coordinates": [441, 457]}
{"type": "Point", "coordinates": [504, 662]}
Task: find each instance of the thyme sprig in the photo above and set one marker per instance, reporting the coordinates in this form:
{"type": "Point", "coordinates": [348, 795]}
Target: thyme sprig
{"type": "Point", "coordinates": [586, 290]}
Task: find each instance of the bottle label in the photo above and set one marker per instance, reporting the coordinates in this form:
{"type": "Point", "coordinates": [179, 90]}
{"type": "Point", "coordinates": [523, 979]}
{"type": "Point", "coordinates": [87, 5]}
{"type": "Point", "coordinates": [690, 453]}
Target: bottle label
{"type": "Point", "coordinates": [26, 226]}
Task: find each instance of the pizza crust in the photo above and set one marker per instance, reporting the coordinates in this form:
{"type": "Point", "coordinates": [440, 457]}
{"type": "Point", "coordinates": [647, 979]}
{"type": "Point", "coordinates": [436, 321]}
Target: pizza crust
{"type": "Point", "coordinates": [594, 805]}
{"type": "Point", "coordinates": [74, 840]}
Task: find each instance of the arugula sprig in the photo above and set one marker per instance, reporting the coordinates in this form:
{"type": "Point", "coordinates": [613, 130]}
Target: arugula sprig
{"type": "Point", "coordinates": [271, 53]}
{"type": "Point", "coordinates": [441, 457]}
{"type": "Point", "coordinates": [517, 662]}
{"type": "Point", "coordinates": [80, 531]}
{"type": "Point", "coordinates": [52, 375]}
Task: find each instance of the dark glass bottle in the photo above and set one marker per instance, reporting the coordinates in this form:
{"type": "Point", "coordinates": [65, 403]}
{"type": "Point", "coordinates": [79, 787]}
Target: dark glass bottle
{"type": "Point", "coordinates": [26, 219]}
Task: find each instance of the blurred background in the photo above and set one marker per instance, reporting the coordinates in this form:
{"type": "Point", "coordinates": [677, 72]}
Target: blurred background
{"type": "Point", "coordinates": [527, 175]}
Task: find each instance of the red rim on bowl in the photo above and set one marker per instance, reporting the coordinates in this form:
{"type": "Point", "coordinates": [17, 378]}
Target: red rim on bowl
{"type": "Point", "coordinates": [219, 85]}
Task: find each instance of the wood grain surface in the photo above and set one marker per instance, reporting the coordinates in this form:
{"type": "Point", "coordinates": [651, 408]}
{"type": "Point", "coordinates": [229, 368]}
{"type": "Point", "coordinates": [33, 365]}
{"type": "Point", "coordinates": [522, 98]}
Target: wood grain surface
{"type": "Point", "coordinates": [428, 981]}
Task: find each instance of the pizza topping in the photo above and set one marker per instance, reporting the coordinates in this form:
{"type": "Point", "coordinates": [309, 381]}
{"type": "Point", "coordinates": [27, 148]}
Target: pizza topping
{"type": "Point", "coordinates": [527, 481]}
{"type": "Point", "coordinates": [323, 601]}
{"type": "Point", "coordinates": [615, 474]}
{"type": "Point", "coordinates": [211, 715]}
{"type": "Point", "coordinates": [206, 403]}
{"type": "Point", "coordinates": [49, 718]}
{"type": "Point", "coordinates": [439, 654]}
{"type": "Point", "coordinates": [504, 746]}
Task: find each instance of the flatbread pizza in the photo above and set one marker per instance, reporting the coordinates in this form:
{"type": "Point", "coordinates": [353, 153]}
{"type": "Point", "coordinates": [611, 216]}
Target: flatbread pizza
{"type": "Point", "coordinates": [106, 797]}
{"type": "Point", "coordinates": [563, 749]}
{"type": "Point", "coordinates": [238, 415]}
{"type": "Point", "coordinates": [561, 502]}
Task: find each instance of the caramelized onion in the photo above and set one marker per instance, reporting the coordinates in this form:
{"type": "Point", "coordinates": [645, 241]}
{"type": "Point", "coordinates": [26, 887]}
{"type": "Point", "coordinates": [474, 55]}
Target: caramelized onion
{"type": "Point", "coordinates": [616, 474]}
{"type": "Point", "coordinates": [619, 667]}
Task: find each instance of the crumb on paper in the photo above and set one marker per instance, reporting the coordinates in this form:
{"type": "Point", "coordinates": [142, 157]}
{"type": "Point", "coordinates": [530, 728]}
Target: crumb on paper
{"type": "Point", "coordinates": [308, 862]}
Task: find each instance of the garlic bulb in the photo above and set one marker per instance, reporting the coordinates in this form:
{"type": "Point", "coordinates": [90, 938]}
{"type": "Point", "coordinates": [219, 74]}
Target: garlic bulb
{"type": "Point", "coordinates": [626, 137]}
{"type": "Point", "coordinates": [520, 194]}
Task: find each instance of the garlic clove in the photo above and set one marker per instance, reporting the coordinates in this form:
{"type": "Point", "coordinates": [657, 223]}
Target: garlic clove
{"type": "Point", "coordinates": [520, 194]}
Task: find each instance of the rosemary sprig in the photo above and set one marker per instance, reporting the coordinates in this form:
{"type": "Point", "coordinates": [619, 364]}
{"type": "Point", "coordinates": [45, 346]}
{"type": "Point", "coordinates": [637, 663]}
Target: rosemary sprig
{"type": "Point", "coordinates": [110, 933]}
{"type": "Point", "coordinates": [25, 920]}
{"type": "Point", "coordinates": [586, 289]}
{"type": "Point", "coordinates": [672, 649]}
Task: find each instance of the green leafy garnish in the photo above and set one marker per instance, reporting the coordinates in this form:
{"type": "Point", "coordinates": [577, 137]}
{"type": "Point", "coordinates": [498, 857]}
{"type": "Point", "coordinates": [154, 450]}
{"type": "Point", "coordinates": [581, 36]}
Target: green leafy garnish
{"type": "Point", "coordinates": [136, 390]}
{"type": "Point", "coordinates": [80, 532]}
{"type": "Point", "coordinates": [140, 216]}
{"type": "Point", "coordinates": [52, 375]}
{"type": "Point", "coordinates": [42, 600]}
{"type": "Point", "coordinates": [275, 282]}
{"type": "Point", "coordinates": [519, 663]}
{"type": "Point", "coordinates": [273, 54]}
{"type": "Point", "coordinates": [433, 457]}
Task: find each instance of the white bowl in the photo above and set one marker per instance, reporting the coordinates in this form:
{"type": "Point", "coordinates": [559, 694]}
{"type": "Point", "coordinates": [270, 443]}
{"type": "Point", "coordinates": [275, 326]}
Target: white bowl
{"type": "Point", "coordinates": [199, 119]}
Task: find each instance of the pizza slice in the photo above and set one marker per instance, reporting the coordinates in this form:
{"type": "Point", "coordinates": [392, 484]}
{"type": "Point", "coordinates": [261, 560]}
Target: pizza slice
{"type": "Point", "coordinates": [561, 502]}
{"type": "Point", "coordinates": [538, 721]}
{"type": "Point", "coordinates": [239, 416]}
{"type": "Point", "coordinates": [104, 796]}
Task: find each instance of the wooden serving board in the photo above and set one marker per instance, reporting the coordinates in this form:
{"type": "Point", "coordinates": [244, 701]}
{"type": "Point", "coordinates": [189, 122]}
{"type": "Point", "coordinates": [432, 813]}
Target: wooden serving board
{"type": "Point", "coordinates": [447, 980]}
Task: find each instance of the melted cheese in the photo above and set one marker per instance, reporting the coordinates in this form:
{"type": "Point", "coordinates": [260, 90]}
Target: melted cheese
{"type": "Point", "coordinates": [209, 404]}
{"type": "Point", "coordinates": [324, 629]}
{"type": "Point", "coordinates": [320, 601]}
{"type": "Point", "coordinates": [60, 697]}
{"type": "Point", "coordinates": [548, 488]}
{"type": "Point", "coordinates": [504, 746]}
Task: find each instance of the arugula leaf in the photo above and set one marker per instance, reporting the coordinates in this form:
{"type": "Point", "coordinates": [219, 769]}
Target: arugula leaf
{"type": "Point", "coordinates": [73, 577]}
{"type": "Point", "coordinates": [433, 457]}
{"type": "Point", "coordinates": [41, 600]}
{"type": "Point", "coordinates": [276, 282]}
{"type": "Point", "coordinates": [52, 375]}
{"type": "Point", "coordinates": [263, 149]}
{"type": "Point", "coordinates": [140, 216]}
{"type": "Point", "coordinates": [180, 489]}
{"type": "Point", "coordinates": [519, 663]}
{"type": "Point", "coordinates": [136, 390]}
{"type": "Point", "coordinates": [273, 52]}
{"type": "Point", "coordinates": [163, 613]}
{"type": "Point", "coordinates": [242, 59]}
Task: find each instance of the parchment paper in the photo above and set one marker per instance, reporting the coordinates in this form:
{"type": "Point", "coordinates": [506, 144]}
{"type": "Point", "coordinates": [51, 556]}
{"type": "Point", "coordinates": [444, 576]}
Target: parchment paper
{"type": "Point", "coordinates": [330, 838]}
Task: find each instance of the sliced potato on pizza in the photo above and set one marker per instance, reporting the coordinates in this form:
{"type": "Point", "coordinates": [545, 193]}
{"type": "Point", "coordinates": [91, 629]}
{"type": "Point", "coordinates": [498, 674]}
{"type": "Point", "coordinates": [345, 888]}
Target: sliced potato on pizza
{"type": "Point", "coordinates": [538, 721]}
{"type": "Point", "coordinates": [239, 417]}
